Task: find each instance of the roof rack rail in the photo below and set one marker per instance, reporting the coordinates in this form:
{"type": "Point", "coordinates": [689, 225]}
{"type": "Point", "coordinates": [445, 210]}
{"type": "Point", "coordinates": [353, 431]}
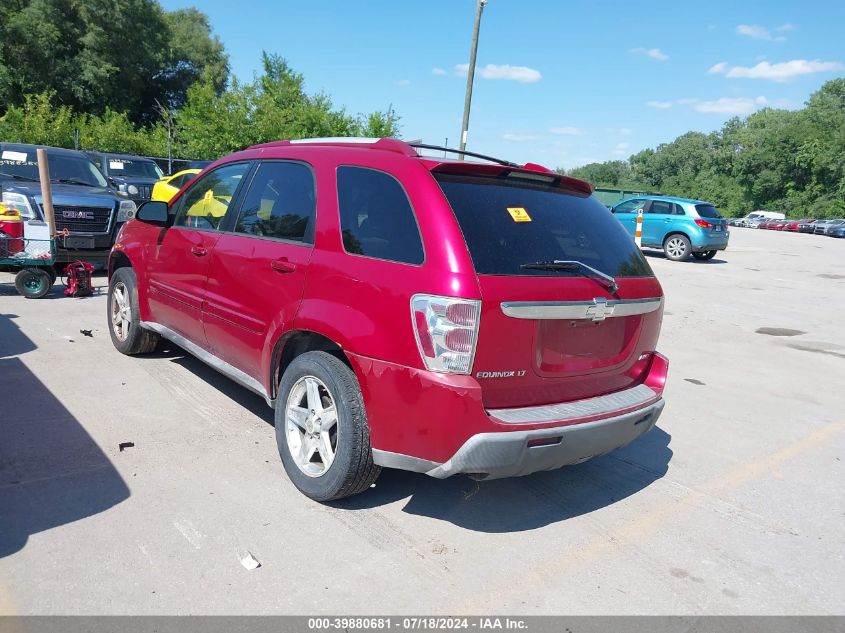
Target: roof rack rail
{"type": "Point", "coordinates": [463, 153]}
{"type": "Point", "coordinates": [387, 143]}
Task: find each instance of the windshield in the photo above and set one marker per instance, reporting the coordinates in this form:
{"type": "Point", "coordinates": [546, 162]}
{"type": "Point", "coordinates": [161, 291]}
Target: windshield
{"type": "Point", "coordinates": [707, 211]}
{"type": "Point", "coordinates": [509, 224]}
{"type": "Point", "coordinates": [62, 167]}
{"type": "Point", "coordinates": [119, 167]}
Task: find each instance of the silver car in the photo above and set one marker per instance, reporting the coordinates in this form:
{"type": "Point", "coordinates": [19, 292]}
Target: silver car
{"type": "Point", "coordinates": [820, 226]}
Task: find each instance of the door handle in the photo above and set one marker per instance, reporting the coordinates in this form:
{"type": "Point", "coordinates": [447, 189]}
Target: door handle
{"type": "Point", "coordinates": [282, 265]}
{"type": "Point", "coordinates": [668, 220]}
{"type": "Point", "coordinates": [199, 251]}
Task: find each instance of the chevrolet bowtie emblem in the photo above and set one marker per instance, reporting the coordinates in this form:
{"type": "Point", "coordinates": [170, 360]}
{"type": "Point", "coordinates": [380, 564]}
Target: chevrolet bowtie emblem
{"type": "Point", "coordinates": [600, 310]}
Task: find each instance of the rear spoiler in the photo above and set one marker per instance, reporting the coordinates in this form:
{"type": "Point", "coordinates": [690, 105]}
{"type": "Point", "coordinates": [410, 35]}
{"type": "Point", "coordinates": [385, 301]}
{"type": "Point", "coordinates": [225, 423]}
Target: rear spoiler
{"type": "Point", "coordinates": [529, 172]}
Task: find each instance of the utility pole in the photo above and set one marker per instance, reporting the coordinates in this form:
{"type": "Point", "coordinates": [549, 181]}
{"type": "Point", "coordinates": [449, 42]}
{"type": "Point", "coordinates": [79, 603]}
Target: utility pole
{"type": "Point", "coordinates": [479, 7]}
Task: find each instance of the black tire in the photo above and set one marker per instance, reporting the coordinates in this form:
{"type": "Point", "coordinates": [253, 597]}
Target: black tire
{"type": "Point", "coordinates": [33, 283]}
{"type": "Point", "coordinates": [352, 470]}
{"type": "Point", "coordinates": [136, 339]}
{"type": "Point", "coordinates": [677, 247]}
{"type": "Point", "coordinates": [705, 255]}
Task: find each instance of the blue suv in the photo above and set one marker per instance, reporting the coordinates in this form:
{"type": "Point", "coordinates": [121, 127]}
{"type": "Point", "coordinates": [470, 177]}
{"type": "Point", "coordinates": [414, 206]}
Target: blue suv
{"type": "Point", "coordinates": [680, 226]}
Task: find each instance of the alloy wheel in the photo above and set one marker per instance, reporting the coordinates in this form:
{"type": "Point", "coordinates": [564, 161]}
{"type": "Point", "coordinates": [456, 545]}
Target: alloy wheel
{"type": "Point", "coordinates": [311, 427]}
{"type": "Point", "coordinates": [121, 311]}
{"type": "Point", "coordinates": [676, 247]}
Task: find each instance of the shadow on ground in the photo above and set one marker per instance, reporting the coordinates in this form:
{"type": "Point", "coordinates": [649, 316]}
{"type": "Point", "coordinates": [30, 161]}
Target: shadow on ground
{"type": "Point", "coordinates": [51, 471]}
{"type": "Point", "coordinates": [250, 401]}
{"type": "Point", "coordinates": [656, 254]}
{"type": "Point", "coordinates": [525, 503]}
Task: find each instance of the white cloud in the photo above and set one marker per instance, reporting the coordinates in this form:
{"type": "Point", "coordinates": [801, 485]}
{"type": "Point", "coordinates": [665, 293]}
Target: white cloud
{"type": "Point", "coordinates": [403, 82]}
{"type": "Point", "coordinates": [568, 131]}
{"type": "Point", "coordinates": [522, 74]}
{"type": "Point", "coordinates": [786, 27]}
{"type": "Point", "coordinates": [621, 149]}
{"type": "Point", "coordinates": [518, 138]}
{"type": "Point", "coordinates": [724, 105]}
{"type": "Point", "coordinates": [439, 72]}
{"type": "Point", "coordinates": [731, 105]}
{"type": "Point", "coordinates": [654, 53]}
{"type": "Point", "coordinates": [757, 32]}
{"type": "Point", "coordinates": [782, 71]}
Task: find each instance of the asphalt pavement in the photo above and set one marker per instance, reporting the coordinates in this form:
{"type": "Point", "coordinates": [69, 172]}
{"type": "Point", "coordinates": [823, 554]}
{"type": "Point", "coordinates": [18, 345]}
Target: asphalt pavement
{"type": "Point", "coordinates": [137, 485]}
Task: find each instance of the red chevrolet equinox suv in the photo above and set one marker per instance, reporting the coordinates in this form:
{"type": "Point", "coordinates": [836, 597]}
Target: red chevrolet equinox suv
{"type": "Point", "coordinates": [397, 310]}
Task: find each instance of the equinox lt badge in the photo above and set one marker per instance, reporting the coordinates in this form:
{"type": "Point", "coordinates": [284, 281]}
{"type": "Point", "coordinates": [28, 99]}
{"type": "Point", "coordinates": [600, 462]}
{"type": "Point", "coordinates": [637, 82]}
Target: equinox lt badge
{"type": "Point", "coordinates": [519, 373]}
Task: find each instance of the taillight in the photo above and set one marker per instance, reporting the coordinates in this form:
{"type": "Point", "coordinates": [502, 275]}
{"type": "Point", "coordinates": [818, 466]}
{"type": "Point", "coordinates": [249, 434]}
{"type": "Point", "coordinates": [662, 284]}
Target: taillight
{"type": "Point", "coordinates": [704, 224]}
{"type": "Point", "coordinates": [446, 331]}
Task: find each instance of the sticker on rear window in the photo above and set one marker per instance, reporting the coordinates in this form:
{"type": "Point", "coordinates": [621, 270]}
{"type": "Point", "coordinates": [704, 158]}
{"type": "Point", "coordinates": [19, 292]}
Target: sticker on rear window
{"type": "Point", "coordinates": [519, 214]}
{"type": "Point", "coordinates": [17, 157]}
{"type": "Point", "coordinates": [115, 164]}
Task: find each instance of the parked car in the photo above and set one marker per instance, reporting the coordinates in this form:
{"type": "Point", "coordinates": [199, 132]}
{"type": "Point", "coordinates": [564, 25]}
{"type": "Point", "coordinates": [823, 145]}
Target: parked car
{"type": "Point", "coordinates": [683, 228]}
{"type": "Point", "coordinates": [175, 165]}
{"type": "Point", "coordinates": [83, 202]}
{"type": "Point", "coordinates": [753, 219]}
{"type": "Point", "coordinates": [777, 225]}
{"type": "Point", "coordinates": [167, 187]}
{"type": "Point", "coordinates": [134, 176]}
{"type": "Point", "coordinates": [427, 314]}
{"type": "Point", "coordinates": [837, 231]}
{"type": "Point", "coordinates": [792, 225]}
{"type": "Point", "coordinates": [820, 226]}
{"type": "Point", "coordinates": [808, 226]}
{"type": "Point", "coordinates": [833, 225]}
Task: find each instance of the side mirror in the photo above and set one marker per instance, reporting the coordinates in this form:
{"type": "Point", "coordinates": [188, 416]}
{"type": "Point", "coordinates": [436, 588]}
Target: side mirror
{"type": "Point", "coordinates": [153, 212]}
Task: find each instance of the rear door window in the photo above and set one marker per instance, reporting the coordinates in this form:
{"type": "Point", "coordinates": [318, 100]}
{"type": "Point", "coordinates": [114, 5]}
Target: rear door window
{"type": "Point", "coordinates": [280, 203]}
{"type": "Point", "coordinates": [662, 207]}
{"type": "Point", "coordinates": [507, 224]}
{"type": "Point", "coordinates": [376, 218]}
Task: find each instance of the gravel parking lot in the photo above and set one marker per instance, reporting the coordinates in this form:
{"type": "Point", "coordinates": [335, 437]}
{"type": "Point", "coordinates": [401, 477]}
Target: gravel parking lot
{"type": "Point", "coordinates": [732, 505]}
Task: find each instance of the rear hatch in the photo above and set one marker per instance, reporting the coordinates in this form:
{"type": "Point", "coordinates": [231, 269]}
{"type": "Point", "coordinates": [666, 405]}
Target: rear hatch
{"type": "Point", "coordinates": [570, 307]}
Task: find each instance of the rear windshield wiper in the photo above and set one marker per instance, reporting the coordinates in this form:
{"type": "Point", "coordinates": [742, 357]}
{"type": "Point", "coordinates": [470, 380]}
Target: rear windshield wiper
{"type": "Point", "coordinates": [73, 181]}
{"type": "Point", "coordinates": [18, 177]}
{"type": "Point", "coordinates": [559, 264]}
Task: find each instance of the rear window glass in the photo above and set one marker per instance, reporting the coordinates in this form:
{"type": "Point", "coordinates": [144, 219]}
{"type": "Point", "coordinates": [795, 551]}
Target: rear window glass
{"type": "Point", "coordinates": [376, 218]}
{"type": "Point", "coordinates": [707, 211]}
{"type": "Point", "coordinates": [508, 224]}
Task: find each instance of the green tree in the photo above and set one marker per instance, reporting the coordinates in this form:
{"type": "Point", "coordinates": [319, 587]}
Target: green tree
{"type": "Point", "coordinates": [791, 161]}
{"type": "Point", "coordinates": [120, 54]}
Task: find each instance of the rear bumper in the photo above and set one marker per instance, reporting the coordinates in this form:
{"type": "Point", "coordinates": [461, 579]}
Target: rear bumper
{"type": "Point", "coordinates": [437, 424]}
{"type": "Point", "coordinates": [710, 243]}
{"type": "Point", "coordinates": [517, 453]}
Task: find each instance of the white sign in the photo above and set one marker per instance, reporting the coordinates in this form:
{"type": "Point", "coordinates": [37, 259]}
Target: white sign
{"type": "Point", "coordinates": [115, 164]}
{"type": "Point", "coordinates": [18, 157]}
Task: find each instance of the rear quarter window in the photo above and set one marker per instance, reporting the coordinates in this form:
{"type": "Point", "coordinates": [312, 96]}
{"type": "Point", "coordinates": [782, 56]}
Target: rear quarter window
{"type": "Point", "coordinates": [376, 218]}
{"type": "Point", "coordinates": [508, 223]}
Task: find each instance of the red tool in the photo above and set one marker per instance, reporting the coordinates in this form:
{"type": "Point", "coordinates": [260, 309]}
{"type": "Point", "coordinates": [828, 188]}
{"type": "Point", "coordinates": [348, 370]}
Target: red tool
{"type": "Point", "coordinates": [79, 282]}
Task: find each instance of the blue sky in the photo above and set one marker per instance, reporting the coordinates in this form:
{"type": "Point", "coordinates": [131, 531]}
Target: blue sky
{"type": "Point", "coordinates": [559, 83]}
